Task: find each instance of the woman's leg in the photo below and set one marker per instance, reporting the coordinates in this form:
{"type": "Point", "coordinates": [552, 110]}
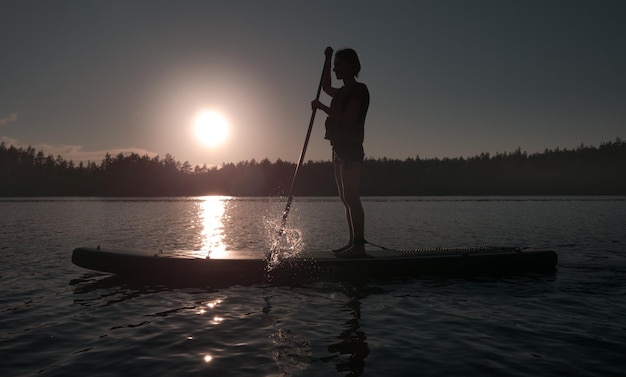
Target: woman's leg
{"type": "Point", "coordinates": [340, 189]}
{"type": "Point", "coordinates": [350, 172]}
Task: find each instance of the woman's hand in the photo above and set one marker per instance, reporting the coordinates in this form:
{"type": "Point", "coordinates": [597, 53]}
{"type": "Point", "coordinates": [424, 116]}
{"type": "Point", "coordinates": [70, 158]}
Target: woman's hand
{"type": "Point", "coordinates": [328, 52]}
{"type": "Point", "coordinates": [316, 104]}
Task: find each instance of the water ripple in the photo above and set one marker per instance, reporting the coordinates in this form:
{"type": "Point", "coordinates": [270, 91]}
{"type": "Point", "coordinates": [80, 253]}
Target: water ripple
{"type": "Point", "coordinates": [59, 320]}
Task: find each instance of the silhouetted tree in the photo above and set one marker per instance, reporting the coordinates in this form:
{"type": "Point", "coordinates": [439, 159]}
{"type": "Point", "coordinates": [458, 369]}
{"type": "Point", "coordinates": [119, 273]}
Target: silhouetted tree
{"type": "Point", "coordinates": [585, 170]}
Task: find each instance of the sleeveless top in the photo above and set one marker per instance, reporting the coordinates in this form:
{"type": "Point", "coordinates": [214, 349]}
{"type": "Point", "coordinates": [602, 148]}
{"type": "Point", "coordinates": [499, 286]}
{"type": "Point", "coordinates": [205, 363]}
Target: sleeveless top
{"type": "Point", "coordinates": [342, 133]}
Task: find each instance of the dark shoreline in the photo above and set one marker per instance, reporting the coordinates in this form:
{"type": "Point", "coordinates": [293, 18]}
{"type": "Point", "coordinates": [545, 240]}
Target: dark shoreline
{"type": "Point", "coordinates": [582, 171]}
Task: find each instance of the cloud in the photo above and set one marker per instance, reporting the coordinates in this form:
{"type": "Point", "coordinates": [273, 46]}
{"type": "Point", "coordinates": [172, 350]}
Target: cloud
{"type": "Point", "coordinates": [8, 141]}
{"type": "Point", "coordinates": [8, 119]}
{"type": "Point", "coordinates": [78, 154]}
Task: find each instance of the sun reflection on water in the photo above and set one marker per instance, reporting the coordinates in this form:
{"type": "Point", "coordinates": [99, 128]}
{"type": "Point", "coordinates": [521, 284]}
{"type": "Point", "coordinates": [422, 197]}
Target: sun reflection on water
{"type": "Point", "coordinates": [211, 213]}
{"type": "Point", "coordinates": [215, 320]}
{"type": "Point", "coordinates": [214, 303]}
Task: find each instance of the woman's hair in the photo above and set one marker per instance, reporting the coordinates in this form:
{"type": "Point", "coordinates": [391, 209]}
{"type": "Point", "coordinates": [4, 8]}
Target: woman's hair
{"type": "Point", "coordinates": [350, 56]}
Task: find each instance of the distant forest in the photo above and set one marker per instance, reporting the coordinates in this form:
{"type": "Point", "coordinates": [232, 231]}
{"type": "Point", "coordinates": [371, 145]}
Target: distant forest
{"type": "Point", "coordinates": [586, 170]}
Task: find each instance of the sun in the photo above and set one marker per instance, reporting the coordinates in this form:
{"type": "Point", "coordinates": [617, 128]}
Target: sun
{"type": "Point", "coordinates": [211, 128]}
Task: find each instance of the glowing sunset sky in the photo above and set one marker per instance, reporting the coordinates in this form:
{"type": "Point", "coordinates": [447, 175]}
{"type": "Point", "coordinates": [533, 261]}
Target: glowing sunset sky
{"type": "Point", "coordinates": [446, 78]}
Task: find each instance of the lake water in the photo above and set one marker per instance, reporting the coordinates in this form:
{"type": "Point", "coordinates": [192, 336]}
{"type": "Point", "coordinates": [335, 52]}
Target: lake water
{"type": "Point", "coordinates": [60, 320]}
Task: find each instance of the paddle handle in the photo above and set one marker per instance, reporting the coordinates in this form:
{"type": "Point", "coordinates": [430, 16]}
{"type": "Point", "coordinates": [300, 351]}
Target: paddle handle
{"type": "Point", "coordinates": [283, 222]}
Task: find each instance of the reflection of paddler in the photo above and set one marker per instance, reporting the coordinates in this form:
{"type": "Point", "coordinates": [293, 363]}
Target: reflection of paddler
{"type": "Point", "coordinates": [345, 127]}
{"type": "Point", "coordinates": [352, 342]}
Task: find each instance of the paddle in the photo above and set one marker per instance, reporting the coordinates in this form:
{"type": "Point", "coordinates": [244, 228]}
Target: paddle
{"type": "Point", "coordinates": [283, 222]}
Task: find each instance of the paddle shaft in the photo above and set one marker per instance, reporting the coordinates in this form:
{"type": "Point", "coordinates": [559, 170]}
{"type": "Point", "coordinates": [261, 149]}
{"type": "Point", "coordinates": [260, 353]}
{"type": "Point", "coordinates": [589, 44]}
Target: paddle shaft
{"type": "Point", "coordinates": [295, 174]}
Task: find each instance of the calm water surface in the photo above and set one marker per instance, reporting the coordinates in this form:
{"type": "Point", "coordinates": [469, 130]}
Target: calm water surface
{"type": "Point", "coordinates": [60, 320]}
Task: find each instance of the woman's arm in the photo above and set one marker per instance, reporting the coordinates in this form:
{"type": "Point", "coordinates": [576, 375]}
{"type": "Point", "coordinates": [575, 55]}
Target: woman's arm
{"type": "Point", "coordinates": [347, 117]}
{"type": "Point", "coordinates": [326, 81]}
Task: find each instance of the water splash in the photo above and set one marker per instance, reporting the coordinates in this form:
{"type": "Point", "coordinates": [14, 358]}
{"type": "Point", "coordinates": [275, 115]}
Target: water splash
{"type": "Point", "coordinates": [283, 246]}
{"type": "Point", "coordinates": [290, 244]}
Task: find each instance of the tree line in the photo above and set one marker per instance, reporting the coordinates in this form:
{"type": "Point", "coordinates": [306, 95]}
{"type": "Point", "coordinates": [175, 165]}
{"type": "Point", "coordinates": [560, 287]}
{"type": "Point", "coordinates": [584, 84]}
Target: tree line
{"type": "Point", "coordinates": [585, 170]}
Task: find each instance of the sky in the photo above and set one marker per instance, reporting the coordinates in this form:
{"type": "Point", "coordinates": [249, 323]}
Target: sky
{"type": "Point", "coordinates": [447, 78]}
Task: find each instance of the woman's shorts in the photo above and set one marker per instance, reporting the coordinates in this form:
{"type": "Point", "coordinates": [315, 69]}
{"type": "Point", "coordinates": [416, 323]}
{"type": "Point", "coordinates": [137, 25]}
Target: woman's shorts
{"type": "Point", "coordinates": [348, 152]}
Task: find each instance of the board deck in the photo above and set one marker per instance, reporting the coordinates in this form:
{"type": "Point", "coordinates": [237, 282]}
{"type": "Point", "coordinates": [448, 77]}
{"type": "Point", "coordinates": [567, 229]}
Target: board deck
{"type": "Point", "coordinates": [243, 267]}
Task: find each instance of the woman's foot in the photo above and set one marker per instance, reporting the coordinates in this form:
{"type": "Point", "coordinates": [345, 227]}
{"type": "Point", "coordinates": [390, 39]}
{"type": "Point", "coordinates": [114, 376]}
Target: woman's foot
{"type": "Point", "coordinates": [342, 249]}
{"type": "Point", "coordinates": [356, 251]}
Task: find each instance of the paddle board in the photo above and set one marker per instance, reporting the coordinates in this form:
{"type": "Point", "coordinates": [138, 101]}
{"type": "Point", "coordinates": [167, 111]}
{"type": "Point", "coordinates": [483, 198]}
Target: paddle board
{"type": "Point", "coordinates": [250, 267]}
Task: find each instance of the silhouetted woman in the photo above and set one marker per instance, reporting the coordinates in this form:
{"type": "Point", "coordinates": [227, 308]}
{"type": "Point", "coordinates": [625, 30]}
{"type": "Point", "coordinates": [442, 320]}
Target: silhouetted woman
{"type": "Point", "coordinates": [345, 130]}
